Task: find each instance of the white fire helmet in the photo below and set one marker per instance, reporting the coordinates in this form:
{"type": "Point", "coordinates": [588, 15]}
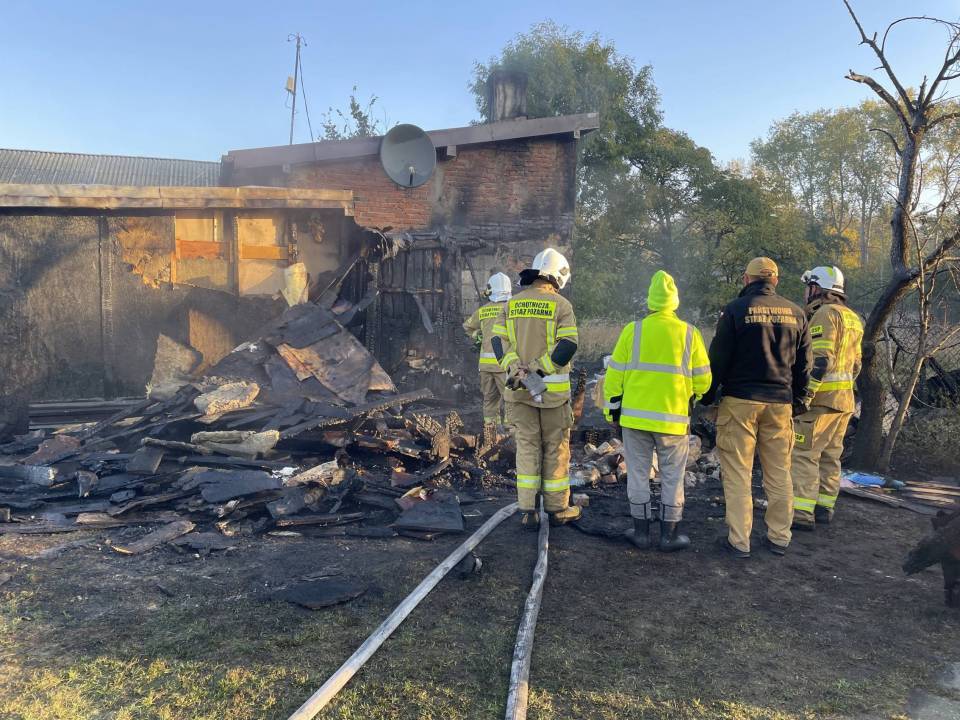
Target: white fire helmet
{"type": "Point", "coordinates": [829, 277]}
{"type": "Point", "coordinates": [552, 265]}
{"type": "Point", "coordinates": [499, 287]}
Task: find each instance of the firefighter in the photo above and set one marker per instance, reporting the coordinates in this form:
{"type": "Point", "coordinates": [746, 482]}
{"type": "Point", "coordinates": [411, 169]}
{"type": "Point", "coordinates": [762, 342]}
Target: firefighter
{"type": "Point", "coordinates": [835, 334]}
{"type": "Point", "coordinates": [534, 345]}
{"type": "Point", "coordinates": [659, 365]}
{"type": "Point", "coordinates": [760, 358]}
{"type": "Point", "coordinates": [479, 327]}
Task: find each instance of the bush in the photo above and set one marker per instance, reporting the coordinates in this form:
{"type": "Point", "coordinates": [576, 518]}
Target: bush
{"type": "Point", "coordinates": [928, 443]}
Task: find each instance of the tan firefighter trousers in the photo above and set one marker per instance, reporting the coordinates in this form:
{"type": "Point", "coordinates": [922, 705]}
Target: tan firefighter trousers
{"type": "Point", "coordinates": [491, 385]}
{"type": "Point", "coordinates": [543, 454]}
{"type": "Point", "coordinates": [816, 459]}
{"type": "Point", "coordinates": [745, 426]}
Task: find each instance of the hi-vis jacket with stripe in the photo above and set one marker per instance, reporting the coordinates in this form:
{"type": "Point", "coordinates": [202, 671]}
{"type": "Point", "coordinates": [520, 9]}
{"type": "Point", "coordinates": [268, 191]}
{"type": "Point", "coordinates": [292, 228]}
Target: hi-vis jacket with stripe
{"type": "Point", "coordinates": [536, 319]}
{"type": "Point", "coordinates": [659, 363]}
{"type": "Point", "coordinates": [481, 324]}
{"type": "Point", "coordinates": [836, 332]}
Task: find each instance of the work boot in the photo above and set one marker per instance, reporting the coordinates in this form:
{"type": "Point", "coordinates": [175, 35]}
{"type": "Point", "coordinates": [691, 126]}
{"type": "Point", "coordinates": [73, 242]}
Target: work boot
{"type": "Point", "coordinates": [723, 542]}
{"type": "Point", "coordinates": [670, 539]}
{"type": "Point", "coordinates": [822, 515]}
{"type": "Point", "coordinates": [803, 522]}
{"type": "Point", "coordinates": [568, 514]}
{"type": "Point", "coordinates": [772, 547]}
{"type": "Point", "coordinates": [639, 534]}
{"type": "Point", "coordinates": [530, 520]}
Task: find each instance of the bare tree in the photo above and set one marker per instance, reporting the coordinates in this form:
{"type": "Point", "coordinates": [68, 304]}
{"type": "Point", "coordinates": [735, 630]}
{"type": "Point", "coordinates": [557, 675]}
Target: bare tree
{"type": "Point", "coordinates": [931, 338]}
{"type": "Point", "coordinates": [916, 116]}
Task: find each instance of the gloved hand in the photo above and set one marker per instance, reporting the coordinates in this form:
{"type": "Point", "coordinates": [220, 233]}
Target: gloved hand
{"type": "Point", "coordinates": [515, 374]}
{"type": "Point", "coordinates": [801, 406]}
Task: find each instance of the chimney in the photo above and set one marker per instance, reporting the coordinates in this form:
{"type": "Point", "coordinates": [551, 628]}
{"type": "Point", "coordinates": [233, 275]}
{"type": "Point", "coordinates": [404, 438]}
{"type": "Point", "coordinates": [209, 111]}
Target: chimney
{"type": "Point", "coordinates": [506, 95]}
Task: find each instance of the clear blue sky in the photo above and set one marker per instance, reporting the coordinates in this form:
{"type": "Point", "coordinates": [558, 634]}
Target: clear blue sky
{"type": "Point", "coordinates": [195, 79]}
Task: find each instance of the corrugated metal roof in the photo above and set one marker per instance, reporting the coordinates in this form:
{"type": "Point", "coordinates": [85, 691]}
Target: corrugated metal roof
{"type": "Point", "coordinates": [37, 167]}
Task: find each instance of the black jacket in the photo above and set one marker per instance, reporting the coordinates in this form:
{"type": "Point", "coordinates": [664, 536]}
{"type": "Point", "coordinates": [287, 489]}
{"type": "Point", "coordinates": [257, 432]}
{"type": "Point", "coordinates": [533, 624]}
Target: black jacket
{"type": "Point", "coordinates": [762, 348]}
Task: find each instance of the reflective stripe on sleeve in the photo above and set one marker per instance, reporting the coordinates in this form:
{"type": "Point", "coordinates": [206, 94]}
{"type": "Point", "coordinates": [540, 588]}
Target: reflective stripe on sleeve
{"type": "Point", "coordinates": [485, 355]}
{"type": "Point", "coordinates": [612, 405]}
{"type": "Point", "coordinates": [567, 332]}
{"type": "Point", "coordinates": [499, 330]}
{"type": "Point", "coordinates": [509, 358]}
{"type": "Point", "coordinates": [616, 366]}
{"type": "Point", "coordinates": [547, 363]}
{"type": "Point", "coordinates": [701, 370]}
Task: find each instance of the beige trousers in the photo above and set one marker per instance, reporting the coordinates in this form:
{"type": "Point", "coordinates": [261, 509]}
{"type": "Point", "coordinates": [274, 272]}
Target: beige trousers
{"type": "Point", "coordinates": [745, 427]}
{"type": "Point", "coordinates": [491, 385]}
{"type": "Point", "coordinates": [816, 459]}
{"type": "Point", "coordinates": [543, 454]}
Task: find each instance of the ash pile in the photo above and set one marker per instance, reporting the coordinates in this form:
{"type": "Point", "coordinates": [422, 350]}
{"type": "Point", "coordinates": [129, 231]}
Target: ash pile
{"type": "Point", "coordinates": [300, 431]}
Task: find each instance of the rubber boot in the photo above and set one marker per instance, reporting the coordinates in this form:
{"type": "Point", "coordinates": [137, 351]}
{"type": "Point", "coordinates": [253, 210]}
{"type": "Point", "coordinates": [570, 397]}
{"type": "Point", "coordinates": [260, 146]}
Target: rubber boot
{"type": "Point", "coordinates": [568, 514]}
{"type": "Point", "coordinates": [822, 515]}
{"type": "Point", "coordinates": [803, 522]}
{"type": "Point", "coordinates": [530, 520]}
{"type": "Point", "coordinates": [639, 534]}
{"type": "Point", "coordinates": [670, 539]}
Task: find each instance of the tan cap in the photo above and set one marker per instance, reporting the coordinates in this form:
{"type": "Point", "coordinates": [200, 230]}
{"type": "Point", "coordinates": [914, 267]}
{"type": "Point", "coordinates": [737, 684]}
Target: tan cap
{"type": "Point", "coordinates": [762, 267]}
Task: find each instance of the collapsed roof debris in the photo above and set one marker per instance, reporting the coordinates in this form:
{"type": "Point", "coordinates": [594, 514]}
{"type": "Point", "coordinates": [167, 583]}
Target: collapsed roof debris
{"type": "Point", "coordinates": [300, 431]}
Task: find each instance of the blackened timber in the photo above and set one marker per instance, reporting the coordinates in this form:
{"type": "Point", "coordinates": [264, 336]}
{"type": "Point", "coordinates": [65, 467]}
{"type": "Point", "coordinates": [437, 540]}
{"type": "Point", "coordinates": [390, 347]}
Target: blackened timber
{"type": "Point", "coordinates": [355, 412]}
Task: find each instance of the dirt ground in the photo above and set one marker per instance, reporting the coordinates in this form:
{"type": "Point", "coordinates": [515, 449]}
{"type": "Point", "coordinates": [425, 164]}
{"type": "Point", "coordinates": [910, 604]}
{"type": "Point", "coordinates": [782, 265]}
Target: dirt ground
{"type": "Point", "coordinates": [834, 630]}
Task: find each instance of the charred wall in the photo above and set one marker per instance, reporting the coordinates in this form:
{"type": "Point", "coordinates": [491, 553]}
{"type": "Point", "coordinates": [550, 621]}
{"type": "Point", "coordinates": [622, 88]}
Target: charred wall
{"type": "Point", "coordinates": [489, 208]}
{"type": "Point", "coordinates": [84, 299]}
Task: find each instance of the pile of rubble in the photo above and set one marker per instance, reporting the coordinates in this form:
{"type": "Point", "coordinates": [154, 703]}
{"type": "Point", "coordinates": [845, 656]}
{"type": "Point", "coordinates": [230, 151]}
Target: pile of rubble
{"type": "Point", "coordinates": [604, 465]}
{"type": "Point", "coordinates": [300, 431]}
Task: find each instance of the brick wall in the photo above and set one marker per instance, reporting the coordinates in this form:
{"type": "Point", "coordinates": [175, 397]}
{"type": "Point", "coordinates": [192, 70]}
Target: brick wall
{"type": "Point", "coordinates": [506, 201]}
{"type": "Point", "coordinates": [517, 183]}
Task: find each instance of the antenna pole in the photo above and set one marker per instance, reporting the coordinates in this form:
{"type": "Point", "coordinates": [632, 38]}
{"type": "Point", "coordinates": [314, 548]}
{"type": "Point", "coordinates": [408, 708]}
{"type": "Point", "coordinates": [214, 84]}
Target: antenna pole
{"type": "Point", "coordinates": [296, 71]}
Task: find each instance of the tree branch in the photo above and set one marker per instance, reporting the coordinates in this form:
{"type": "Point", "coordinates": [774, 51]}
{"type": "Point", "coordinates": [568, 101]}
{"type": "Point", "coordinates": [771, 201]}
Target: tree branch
{"type": "Point", "coordinates": [896, 146]}
{"type": "Point", "coordinates": [942, 119]}
{"type": "Point", "coordinates": [883, 93]}
{"type": "Point", "coordinates": [872, 44]}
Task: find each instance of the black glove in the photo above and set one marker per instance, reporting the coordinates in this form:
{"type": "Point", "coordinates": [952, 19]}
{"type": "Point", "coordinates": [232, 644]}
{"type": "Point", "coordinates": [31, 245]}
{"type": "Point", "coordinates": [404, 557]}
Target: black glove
{"type": "Point", "coordinates": [800, 406]}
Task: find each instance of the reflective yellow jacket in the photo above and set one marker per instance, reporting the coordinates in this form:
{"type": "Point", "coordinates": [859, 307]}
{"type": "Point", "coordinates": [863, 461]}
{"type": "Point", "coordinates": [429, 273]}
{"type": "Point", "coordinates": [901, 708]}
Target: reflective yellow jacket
{"type": "Point", "coordinates": [480, 324]}
{"type": "Point", "coordinates": [536, 319]}
{"type": "Point", "coordinates": [836, 333]}
{"type": "Point", "coordinates": [658, 365]}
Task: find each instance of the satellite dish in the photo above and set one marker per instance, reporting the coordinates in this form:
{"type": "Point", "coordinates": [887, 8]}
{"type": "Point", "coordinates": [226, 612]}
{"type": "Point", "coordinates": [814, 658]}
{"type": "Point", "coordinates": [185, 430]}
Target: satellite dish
{"type": "Point", "coordinates": [407, 155]}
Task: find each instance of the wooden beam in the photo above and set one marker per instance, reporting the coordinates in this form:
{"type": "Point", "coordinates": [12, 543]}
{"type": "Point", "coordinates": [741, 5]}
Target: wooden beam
{"type": "Point", "coordinates": [117, 197]}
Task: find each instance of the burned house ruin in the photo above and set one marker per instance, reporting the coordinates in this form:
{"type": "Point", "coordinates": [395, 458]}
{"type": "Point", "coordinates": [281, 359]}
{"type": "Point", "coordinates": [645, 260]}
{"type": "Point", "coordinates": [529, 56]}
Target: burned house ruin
{"type": "Point", "coordinates": [106, 258]}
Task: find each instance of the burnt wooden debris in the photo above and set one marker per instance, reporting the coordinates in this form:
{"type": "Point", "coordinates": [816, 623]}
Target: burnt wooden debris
{"type": "Point", "coordinates": [300, 432]}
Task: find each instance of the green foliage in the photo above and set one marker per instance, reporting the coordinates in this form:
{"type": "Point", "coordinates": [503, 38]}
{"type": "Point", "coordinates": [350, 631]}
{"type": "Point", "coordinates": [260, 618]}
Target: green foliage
{"type": "Point", "coordinates": [357, 121]}
{"type": "Point", "coordinates": [649, 197]}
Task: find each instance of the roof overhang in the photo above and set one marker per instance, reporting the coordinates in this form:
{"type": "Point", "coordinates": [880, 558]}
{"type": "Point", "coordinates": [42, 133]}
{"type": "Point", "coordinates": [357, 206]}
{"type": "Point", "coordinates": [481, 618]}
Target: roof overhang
{"type": "Point", "coordinates": [333, 150]}
{"type": "Point", "coordinates": [128, 197]}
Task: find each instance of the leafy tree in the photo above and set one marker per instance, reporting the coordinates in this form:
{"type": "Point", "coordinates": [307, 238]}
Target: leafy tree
{"type": "Point", "coordinates": [649, 197]}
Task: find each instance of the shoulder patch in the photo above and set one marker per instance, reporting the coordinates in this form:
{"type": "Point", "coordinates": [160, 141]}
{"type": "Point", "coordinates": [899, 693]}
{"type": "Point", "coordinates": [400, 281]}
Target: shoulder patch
{"type": "Point", "coordinates": [816, 331]}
